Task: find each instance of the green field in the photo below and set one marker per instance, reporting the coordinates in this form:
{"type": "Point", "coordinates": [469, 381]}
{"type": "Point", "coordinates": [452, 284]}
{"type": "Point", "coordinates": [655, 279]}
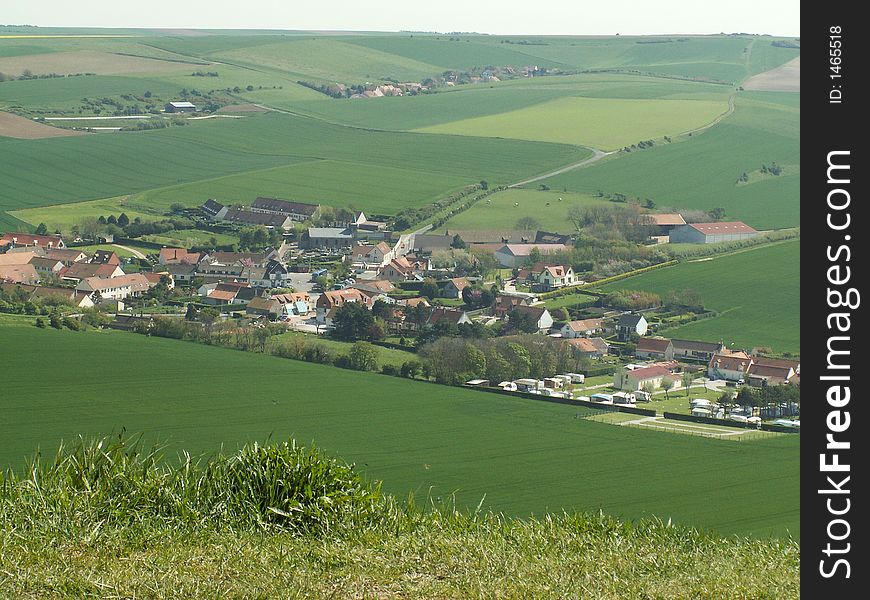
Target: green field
{"type": "Point", "coordinates": [702, 172]}
{"type": "Point", "coordinates": [498, 211]}
{"type": "Point", "coordinates": [520, 456]}
{"type": "Point", "coordinates": [756, 291]}
{"type": "Point", "coordinates": [386, 356]}
{"type": "Point", "coordinates": [605, 123]}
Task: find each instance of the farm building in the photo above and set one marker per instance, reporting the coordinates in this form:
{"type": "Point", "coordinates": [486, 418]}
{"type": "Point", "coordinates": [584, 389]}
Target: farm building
{"type": "Point", "coordinates": [327, 237]}
{"type": "Point", "coordinates": [630, 323]}
{"type": "Point", "coordinates": [71, 296]}
{"type": "Point", "coordinates": [711, 233]}
{"type": "Point", "coordinates": [664, 223]}
{"type": "Point", "coordinates": [295, 211]}
{"type": "Point", "coordinates": [654, 347]}
{"type": "Point", "coordinates": [79, 271]}
{"type": "Point", "coordinates": [639, 378]}
{"type": "Point", "coordinates": [494, 236]}
{"type": "Point", "coordinates": [214, 210]}
{"type": "Point", "coordinates": [515, 255]}
{"type": "Point", "coordinates": [180, 107]}
{"type": "Point", "coordinates": [429, 242]}
{"type": "Point", "coordinates": [581, 329]}
{"type": "Point", "coordinates": [19, 240]}
{"type": "Point", "coordinates": [46, 266]}
{"type": "Point", "coordinates": [699, 351]}
{"type": "Point", "coordinates": [271, 220]}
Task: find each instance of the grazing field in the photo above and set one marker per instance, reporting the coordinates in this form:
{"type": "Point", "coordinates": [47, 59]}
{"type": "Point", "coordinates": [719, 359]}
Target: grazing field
{"type": "Point", "coordinates": [702, 171]}
{"type": "Point", "coordinates": [520, 456]}
{"type": "Point", "coordinates": [100, 63]}
{"type": "Point", "coordinates": [756, 291]}
{"type": "Point", "coordinates": [19, 127]}
{"type": "Point", "coordinates": [607, 124]}
{"type": "Point", "coordinates": [64, 216]}
{"type": "Point", "coordinates": [503, 210]}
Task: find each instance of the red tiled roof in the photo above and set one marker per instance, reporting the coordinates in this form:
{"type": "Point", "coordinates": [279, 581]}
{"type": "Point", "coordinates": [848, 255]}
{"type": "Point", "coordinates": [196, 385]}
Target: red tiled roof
{"type": "Point", "coordinates": [666, 219]}
{"type": "Point", "coordinates": [653, 344]}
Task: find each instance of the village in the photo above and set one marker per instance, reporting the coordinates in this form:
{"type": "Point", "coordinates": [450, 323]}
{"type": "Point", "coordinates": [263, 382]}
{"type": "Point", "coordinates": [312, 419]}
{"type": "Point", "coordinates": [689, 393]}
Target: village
{"type": "Point", "coordinates": [356, 281]}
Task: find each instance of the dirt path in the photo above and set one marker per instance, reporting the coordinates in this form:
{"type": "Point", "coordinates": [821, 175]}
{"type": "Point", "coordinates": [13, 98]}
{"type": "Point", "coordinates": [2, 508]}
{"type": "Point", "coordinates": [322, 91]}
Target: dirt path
{"type": "Point", "coordinates": [596, 156]}
{"type": "Point", "coordinates": [132, 251]}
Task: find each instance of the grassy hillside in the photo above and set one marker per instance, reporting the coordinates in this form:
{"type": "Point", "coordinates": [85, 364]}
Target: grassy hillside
{"type": "Point", "coordinates": [519, 456]}
{"type": "Point", "coordinates": [110, 518]}
{"type": "Point", "coordinates": [702, 172]}
{"type": "Point", "coordinates": [757, 292]}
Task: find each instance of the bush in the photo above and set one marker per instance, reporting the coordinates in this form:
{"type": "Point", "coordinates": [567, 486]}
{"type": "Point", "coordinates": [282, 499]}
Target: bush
{"type": "Point", "coordinates": [72, 324]}
{"type": "Point", "coordinates": [40, 322]}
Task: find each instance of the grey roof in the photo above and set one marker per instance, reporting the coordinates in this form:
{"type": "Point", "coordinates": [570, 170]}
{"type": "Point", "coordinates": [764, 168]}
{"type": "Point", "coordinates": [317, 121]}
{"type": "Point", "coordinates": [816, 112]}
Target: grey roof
{"type": "Point", "coordinates": [183, 104]}
{"type": "Point", "coordinates": [212, 206]}
{"type": "Point", "coordinates": [330, 232]}
{"type": "Point", "coordinates": [242, 216]}
{"type": "Point", "coordinates": [630, 320]}
{"type": "Point", "coordinates": [285, 206]}
{"type": "Point", "coordinates": [692, 345]}
{"type": "Point", "coordinates": [494, 236]}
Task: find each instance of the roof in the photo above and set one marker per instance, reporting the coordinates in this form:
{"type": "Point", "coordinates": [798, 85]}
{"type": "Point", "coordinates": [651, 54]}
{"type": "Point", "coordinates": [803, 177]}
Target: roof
{"type": "Point", "coordinates": [701, 346]}
{"type": "Point", "coordinates": [460, 283]}
{"type": "Point", "coordinates": [333, 298]}
{"type": "Point", "coordinates": [180, 268]}
{"type": "Point", "coordinates": [777, 362]}
{"type": "Point", "coordinates": [630, 319]}
{"type": "Point", "coordinates": [19, 273]}
{"type": "Point", "coordinates": [182, 104]}
{"type": "Point", "coordinates": [84, 270]}
{"type": "Point", "coordinates": [651, 372]}
{"type": "Point", "coordinates": [414, 301]}
{"type": "Point", "coordinates": [285, 206]}
{"type": "Point", "coordinates": [291, 298]}
{"type": "Point", "coordinates": [536, 311]}
{"type": "Point", "coordinates": [136, 281]}
{"type": "Point", "coordinates": [179, 255]}
{"type": "Point", "coordinates": [666, 219]}
{"type": "Point", "coordinates": [261, 303]}
{"type": "Point", "coordinates": [557, 270]}
{"type": "Point", "coordinates": [781, 372]}
{"type": "Point", "coordinates": [589, 345]}
{"type": "Point", "coordinates": [446, 314]}
{"type": "Point", "coordinates": [238, 215]}
{"type": "Point", "coordinates": [722, 228]}
{"type": "Point", "coordinates": [586, 325]}
{"type": "Point", "coordinates": [225, 295]}
{"type": "Point", "coordinates": [17, 258]}
{"type": "Point", "coordinates": [494, 236]}
{"type": "Point", "coordinates": [45, 263]}
{"type": "Point", "coordinates": [106, 257]}
{"type": "Point", "coordinates": [212, 206]}
{"type": "Point", "coordinates": [652, 344]}
{"type": "Point", "coordinates": [29, 239]}
{"type": "Point", "coordinates": [432, 241]}
{"type": "Point", "coordinates": [374, 285]}
{"type": "Point", "coordinates": [330, 232]}
{"type": "Point", "coordinates": [72, 254]}
{"type": "Point", "coordinates": [526, 249]}
{"type": "Point", "coordinates": [730, 362]}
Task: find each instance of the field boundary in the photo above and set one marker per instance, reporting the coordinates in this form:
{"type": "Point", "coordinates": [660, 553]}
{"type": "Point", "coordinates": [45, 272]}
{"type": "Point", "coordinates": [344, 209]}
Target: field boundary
{"type": "Point", "coordinates": [727, 423]}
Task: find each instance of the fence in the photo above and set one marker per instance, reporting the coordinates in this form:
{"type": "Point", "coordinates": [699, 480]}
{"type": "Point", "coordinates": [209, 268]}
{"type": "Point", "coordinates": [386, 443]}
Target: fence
{"type": "Point", "coordinates": [569, 401]}
{"type": "Point", "coordinates": [727, 423]}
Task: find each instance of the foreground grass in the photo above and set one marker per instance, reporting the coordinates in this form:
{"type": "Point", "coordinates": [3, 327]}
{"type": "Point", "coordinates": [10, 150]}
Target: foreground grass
{"type": "Point", "coordinates": [108, 520]}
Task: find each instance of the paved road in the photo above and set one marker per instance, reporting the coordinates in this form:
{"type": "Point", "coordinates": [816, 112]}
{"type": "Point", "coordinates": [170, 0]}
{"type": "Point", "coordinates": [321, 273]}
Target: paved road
{"type": "Point", "coordinates": [596, 156]}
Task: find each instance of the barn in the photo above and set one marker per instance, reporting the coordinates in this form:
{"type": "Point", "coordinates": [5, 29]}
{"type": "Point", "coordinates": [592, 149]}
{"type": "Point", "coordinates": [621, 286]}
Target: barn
{"type": "Point", "coordinates": [180, 107]}
{"type": "Point", "coordinates": [711, 233]}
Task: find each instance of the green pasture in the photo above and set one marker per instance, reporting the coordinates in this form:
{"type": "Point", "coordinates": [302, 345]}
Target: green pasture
{"type": "Point", "coordinates": [186, 238]}
{"type": "Point", "coordinates": [504, 209]}
{"type": "Point", "coordinates": [519, 456]}
{"type": "Point", "coordinates": [702, 172]}
{"type": "Point", "coordinates": [64, 216]}
{"type": "Point", "coordinates": [755, 291]}
{"type": "Point", "coordinates": [605, 123]}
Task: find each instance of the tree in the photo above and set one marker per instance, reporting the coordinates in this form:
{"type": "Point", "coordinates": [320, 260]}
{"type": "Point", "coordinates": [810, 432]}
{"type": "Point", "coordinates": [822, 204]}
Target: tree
{"type": "Point", "coordinates": [686, 379]}
{"type": "Point", "coordinates": [112, 220]}
{"type": "Point", "coordinates": [535, 255]}
{"type": "Point", "coordinates": [429, 288]}
{"type": "Point", "coordinates": [176, 208]}
{"type": "Point", "coordinates": [147, 94]}
{"type": "Point", "coordinates": [363, 356]}
{"type": "Point", "coordinates": [457, 242]}
{"type": "Point", "coordinates": [484, 184]}
{"type": "Point", "coordinates": [667, 383]}
{"type": "Point", "coordinates": [352, 321]}
{"type": "Point", "coordinates": [717, 214]}
{"type": "Point", "coordinates": [123, 220]}
{"type": "Point", "coordinates": [381, 309]}
{"type": "Point", "coordinates": [528, 223]}
{"type": "Point", "coordinates": [522, 321]}
{"type": "Point", "coordinates": [41, 229]}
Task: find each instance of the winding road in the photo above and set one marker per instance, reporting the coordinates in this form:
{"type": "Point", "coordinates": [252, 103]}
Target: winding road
{"type": "Point", "coordinates": [596, 156]}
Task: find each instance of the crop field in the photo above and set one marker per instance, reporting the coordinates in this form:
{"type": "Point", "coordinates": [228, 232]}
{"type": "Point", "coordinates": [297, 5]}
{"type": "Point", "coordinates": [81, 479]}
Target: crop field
{"type": "Point", "coordinates": [19, 127]}
{"type": "Point", "coordinates": [100, 63]}
{"type": "Point", "coordinates": [759, 132]}
{"type": "Point", "coordinates": [607, 124]}
{"type": "Point", "coordinates": [64, 216]}
{"type": "Point", "coordinates": [503, 209]}
{"type": "Point", "coordinates": [756, 291]}
{"type": "Point", "coordinates": [520, 456]}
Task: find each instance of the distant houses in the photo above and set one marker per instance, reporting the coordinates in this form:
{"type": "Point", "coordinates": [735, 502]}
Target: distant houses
{"type": "Point", "coordinates": [295, 211]}
{"type": "Point", "coordinates": [24, 240]}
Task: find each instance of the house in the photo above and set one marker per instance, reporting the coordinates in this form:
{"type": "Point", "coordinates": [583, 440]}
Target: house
{"type": "Point", "coordinates": [18, 240]}
{"type": "Point", "coordinates": [582, 329]}
{"type": "Point", "coordinates": [41, 292]}
{"type": "Point", "coordinates": [664, 223]}
{"type": "Point", "coordinates": [175, 256]}
{"type": "Point", "coordinates": [295, 211]}
{"type": "Point", "coordinates": [180, 107]}
{"type": "Point", "coordinates": [67, 256]}
{"type": "Point", "coordinates": [264, 307]}
{"type": "Point", "coordinates": [181, 272]}
{"type": "Point", "coordinates": [542, 317]}
{"type": "Point", "coordinates": [711, 233]}
{"type": "Point", "coordinates": [270, 220]}
{"type": "Point", "coordinates": [155, 278]}
{"type": "Point", "coordinates": [731, 367]}
{"type": "Point", "coordinates": [504, 303]}
{"type": "Point", "coordinates": [18, 258]}
{"type": "Point", "coordinates": [105, 257]}
{"type": "Point", "coordinates": [589, 347]}
{"type": "Point", "coordinates": [295, 303]}
{"type": "Point", "coordinates": [327, 237]}
{"type": "Point", "coordinates": [654, 347]}
{"type": "Point", "coordinates": [214, 210]}
{"type": "Point", "coordinates": [81, 270]}
{"type": "Point", "coordinates": [689, 350]}
{"type": "Point", "coordinates": [226, 293]}
{"type": "Point", "coordinates": [372, 255]}
{"type": "Point", "coordinates": [330, 300]}
{"type": "Point", "coordinates": [515, 255]}
{"type": "Point", "coordinates": [46, 267]}
{"type": "Point", "coordinates": [553, 277]}
{"type": "Point", "coordinates": [448, 315]}
{"type": "Point", "coordinates": [373, 287]}
{"type": "Point", "coordinates": [453, 288]}
{"type": "Point", "coordinates": [246, 259]}
{"type": "Point", "coordinates": [116, 288]}
{"type": "Point", "coordinates": [255, 277]}
{"type": "Point", "coordinates": [634, 377]}
{"type": "Point", "coordinates": [428, 242]}
{"type": "Point", "coordinates": [474, 237]}
{"type": "Point", "coordinates": [219, 272]}
{"type": "Point", "coordinates": [772, 371]}
{"type": "Point", "coordinates": [362, 223]}
{"type": "Point", "coordinates": [403, 269]}
{"type": "Point", "coordinates": [19, 274]}
{"type": "Point", "coordinates": [630, 323]}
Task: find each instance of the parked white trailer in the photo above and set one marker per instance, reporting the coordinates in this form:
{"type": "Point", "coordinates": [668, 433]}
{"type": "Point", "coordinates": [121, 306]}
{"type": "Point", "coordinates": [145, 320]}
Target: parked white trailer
{"type": "Point", "coordinates": [623, 398]}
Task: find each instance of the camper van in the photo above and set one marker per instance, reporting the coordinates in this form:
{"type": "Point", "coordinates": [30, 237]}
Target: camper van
{"type": "Point", "coordinates": [602, 398]}
{"type": "Point", "coordinates": [577, 377]}
{"type": "Point", "coordinates": [642, 396]}
{"type": "Point", "coordinates": [623, 398]}
{"type": "Point", "coordinates": [700, 403]}
{"type": "Point", "coordinates": [527, 385]}
{"type": "Point", "coordinates": [788, 423]}
{"type": "Point", "coordinates": [738, 418]}
{"type": "Point", "coordinates": [701, 412]}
